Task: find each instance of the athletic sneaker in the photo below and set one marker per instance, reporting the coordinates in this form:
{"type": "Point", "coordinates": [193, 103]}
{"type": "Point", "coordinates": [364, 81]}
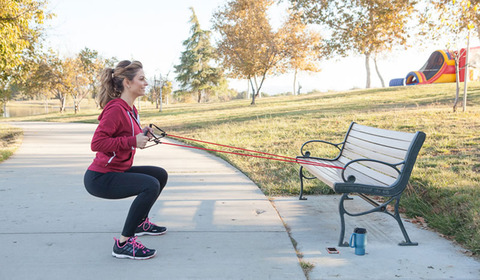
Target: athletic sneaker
{"type": "Point", "coordinates": [148, 228]}
{"type": "Point", "coordinates": [132, 249]}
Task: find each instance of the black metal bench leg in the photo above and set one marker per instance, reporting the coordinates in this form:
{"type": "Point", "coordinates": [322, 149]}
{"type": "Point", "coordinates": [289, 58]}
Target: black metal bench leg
{"type": "Point", "coordinates": [397, 217]}
{"type": "Point", "coordinates": [341, 210]}
{"type": "Point", "coordinates": [301, 184]}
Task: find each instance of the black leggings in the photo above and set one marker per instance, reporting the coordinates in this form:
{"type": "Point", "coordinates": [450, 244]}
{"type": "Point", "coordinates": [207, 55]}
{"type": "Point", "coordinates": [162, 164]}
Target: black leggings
{"type": "Point", "coordinates": [146, 182]}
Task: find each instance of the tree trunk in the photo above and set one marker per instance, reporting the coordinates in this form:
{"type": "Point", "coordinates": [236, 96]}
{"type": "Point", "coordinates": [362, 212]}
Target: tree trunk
{"type": "Point", "coordinates": [294, 92]}
{"type": "Point", "coordinates": [45, 100]}
{"type": "Point", "coordinates": [4, 108]}
{"type": "Point", "coordinates": [254, 93]}
{"type": "Point", "coordinates": [457, 80]}
{"type": "Point", "coordinates": [64, 102]}
{"type": "Point", "coordinates": [75, 106]}
{"type": "Point", "coordinates": [161, 98]}
{"type": "Point", "coordinates": [367, 66]}
{"type": "Point", "coordinates": [75, 102]}
{"type": "Point", "coordinates": [378, 72]}
{"type": "Point", "coordinates": [62, 98]}
{"type": "Point", "coordinates": [259, 95]}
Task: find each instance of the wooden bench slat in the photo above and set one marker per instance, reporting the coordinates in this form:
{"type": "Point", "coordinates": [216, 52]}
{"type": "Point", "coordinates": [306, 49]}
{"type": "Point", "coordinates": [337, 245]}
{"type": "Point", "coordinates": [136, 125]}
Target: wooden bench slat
{"type": "Point", "coordinates": [406, 136]}
{"type": "Point", "coordinates": [365, 171]}
{"type": "Point", "coordinates": [379, 140]}
{"type": "Point", "coordinates": [370, 175]}
{"type": "Point", "coordinates": [382, 168]}
{"type": "Point", "coordinates": [326, 169]}
{"type": "Point", "coordinates": [372, 147]}
{"type": "Point", "coordinates": [332, 175]}
{"type": "Point", "coordinates": [366, 153]}
{"type": "Point", "coordinates": [361, 178]}
{"type": "Point", "coordinates": [329, 177]}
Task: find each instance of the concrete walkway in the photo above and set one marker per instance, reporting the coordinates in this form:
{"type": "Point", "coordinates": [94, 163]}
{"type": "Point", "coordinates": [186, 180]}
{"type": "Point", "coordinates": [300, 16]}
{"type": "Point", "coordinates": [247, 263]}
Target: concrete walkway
{"type": "Point", "coordinates": [315, 225]}
{"type": "Point", "coordinates": [220, 224]}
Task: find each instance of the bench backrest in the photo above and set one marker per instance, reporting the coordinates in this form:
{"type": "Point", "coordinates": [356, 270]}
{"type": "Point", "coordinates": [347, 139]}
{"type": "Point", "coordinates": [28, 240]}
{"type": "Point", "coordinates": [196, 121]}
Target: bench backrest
{"type": "Point", "coordinates": [388, 146]}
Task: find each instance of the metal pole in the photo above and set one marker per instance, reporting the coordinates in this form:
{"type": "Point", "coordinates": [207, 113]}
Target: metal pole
{"type": "Point", "coordinates": [466, 74]}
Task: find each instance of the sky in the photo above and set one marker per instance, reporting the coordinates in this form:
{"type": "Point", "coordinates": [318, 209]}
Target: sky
{"type": "Point", "coordinates": [152, 31]}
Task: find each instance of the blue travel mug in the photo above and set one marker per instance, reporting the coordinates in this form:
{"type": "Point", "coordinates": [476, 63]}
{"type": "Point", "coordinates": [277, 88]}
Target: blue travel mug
{"type": "Point", "coordinates": [358, 240]}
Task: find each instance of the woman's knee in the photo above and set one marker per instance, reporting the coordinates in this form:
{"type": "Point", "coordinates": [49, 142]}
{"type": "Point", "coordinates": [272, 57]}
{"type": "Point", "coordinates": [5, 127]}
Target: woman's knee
{"type": "Point", "coordinates": [153, 187]}
{"type": "Point", "coordinates": [162, 177]}
{"type": "Point", "coordinates": [155, 171]}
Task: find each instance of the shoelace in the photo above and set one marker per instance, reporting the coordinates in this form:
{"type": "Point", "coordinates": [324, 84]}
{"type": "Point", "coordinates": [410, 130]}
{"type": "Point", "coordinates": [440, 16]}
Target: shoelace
{"type": "Point", "coordinates": [147, 224]}
{"type": "Point", "coordinates": [137, 245]}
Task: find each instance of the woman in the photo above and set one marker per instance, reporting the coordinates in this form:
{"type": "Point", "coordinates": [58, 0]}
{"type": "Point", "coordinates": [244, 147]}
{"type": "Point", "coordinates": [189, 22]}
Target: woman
{"type": "Point", "coordinates": [111, 174]}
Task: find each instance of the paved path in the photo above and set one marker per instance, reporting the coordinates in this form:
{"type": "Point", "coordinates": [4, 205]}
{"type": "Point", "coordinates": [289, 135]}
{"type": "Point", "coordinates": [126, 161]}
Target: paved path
{"type": "Point", "coordinates": [315, 225]}
{"type": "Point", "coordinates": [220, 225]}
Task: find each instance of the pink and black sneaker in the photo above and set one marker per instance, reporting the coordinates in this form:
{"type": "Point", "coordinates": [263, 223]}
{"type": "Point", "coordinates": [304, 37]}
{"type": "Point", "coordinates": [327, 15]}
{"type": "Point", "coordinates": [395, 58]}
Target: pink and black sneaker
{"type": "Point", "coordinates": [148, 228]}
{"type": "Point", "coordinates": [132, 249]}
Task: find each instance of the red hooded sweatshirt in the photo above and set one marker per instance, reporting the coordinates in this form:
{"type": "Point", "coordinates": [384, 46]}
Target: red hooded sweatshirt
{"type": "Point", "coordinates": [114, 139]}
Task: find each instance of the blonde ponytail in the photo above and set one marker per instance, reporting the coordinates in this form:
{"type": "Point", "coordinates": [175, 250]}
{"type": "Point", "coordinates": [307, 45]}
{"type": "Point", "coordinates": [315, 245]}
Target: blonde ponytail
{"type": "Point", "coordinates": [111, 80]}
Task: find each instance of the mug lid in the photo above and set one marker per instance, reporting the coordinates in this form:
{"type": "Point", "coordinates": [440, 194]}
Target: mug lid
{"type": "Point", "coordinates": [360, 230]}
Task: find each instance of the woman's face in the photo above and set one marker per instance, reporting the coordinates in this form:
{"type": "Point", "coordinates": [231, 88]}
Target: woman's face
{"type": "Point", "coordinates": [138, 84]}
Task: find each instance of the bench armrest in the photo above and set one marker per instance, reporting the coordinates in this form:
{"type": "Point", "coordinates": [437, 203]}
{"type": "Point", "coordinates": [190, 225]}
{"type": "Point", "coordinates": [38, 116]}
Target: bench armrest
{"type": "Point", "coordinates": [351, 178]}
{"type": "Point", "coordinates": [307, 153]}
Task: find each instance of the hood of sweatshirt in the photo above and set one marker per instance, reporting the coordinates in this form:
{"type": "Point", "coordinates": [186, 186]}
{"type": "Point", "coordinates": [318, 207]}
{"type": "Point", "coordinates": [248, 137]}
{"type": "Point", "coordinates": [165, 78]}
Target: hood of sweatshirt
{"type": "Point", "coordinates": [115, 102]}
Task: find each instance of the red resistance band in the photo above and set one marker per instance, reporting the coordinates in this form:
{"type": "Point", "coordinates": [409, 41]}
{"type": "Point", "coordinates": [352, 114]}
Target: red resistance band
{"type": "Point", "coordinates": [271, 156]}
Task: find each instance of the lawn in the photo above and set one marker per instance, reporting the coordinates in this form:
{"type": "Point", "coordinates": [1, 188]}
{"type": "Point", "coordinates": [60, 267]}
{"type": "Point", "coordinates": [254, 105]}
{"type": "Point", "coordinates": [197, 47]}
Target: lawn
{"type": "Point", "coordinates": [444, 187]}
{"type": "Point", "coordinates": [10, 140]}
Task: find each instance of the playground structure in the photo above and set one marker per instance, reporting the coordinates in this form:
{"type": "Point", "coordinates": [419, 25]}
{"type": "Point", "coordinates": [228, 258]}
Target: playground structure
{"type": "Point", "coordinates": [440, 68]}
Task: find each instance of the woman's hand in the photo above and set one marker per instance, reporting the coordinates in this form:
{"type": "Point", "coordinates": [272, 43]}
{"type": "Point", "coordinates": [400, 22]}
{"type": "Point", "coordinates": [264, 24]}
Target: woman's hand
{"type": "Point", "coordinates": [142, 140]}
{"type": "Point", "coordinates": [148, 129]}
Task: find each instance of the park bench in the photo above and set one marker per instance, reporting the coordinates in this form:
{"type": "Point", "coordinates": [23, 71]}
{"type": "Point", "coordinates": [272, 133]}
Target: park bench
{"type": "Point", "coordinates": [375, 162]}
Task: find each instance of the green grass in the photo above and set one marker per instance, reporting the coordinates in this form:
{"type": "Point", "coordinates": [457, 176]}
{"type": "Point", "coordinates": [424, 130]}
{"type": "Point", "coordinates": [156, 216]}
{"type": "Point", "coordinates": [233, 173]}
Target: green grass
{"type": "Point", "coordinates": [444, 187]}
{"type": "Point", "coordinates": [10, 140]}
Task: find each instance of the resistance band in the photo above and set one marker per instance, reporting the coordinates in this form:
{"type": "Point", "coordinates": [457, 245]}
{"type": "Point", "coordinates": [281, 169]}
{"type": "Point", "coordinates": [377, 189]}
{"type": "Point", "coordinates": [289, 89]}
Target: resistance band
{"type": "Point", "coordinates": [157, 141]}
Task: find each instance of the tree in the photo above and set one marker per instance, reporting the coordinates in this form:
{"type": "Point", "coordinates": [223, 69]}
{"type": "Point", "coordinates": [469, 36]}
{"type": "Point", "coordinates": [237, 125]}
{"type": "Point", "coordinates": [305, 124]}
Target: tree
{"type": "Point", "coordinates": [53, 75]}
{"type": "Point", "coordinates": [160, 91]}
{"type": "Point", "coordinates": [80, 82]}
{"type": "Point", "coordinates": [194, 71]}
{"type": "Point", "coordinates": [87, 64]}
{"type": "Point", "coordinates": [367, 27]}
{"type": "Point", "coordinates": [458, 19]}
{"type": "Point", "coordinates": [166, 90]}
{"type": "Point", "coordinates": [455, 15]}
{"type": "Point", "coordinates": [302, 46]}
{"type": "Point", "coordinates": [222, 91]}
{"type": "Point", "coordinates": [65, 80]}
{"type": "Point", "coordinates": [20, 29]}
{"type": "Point", "coordinates": [248, 46]}
{"type": "Point", "coordinates": [34, 84]}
